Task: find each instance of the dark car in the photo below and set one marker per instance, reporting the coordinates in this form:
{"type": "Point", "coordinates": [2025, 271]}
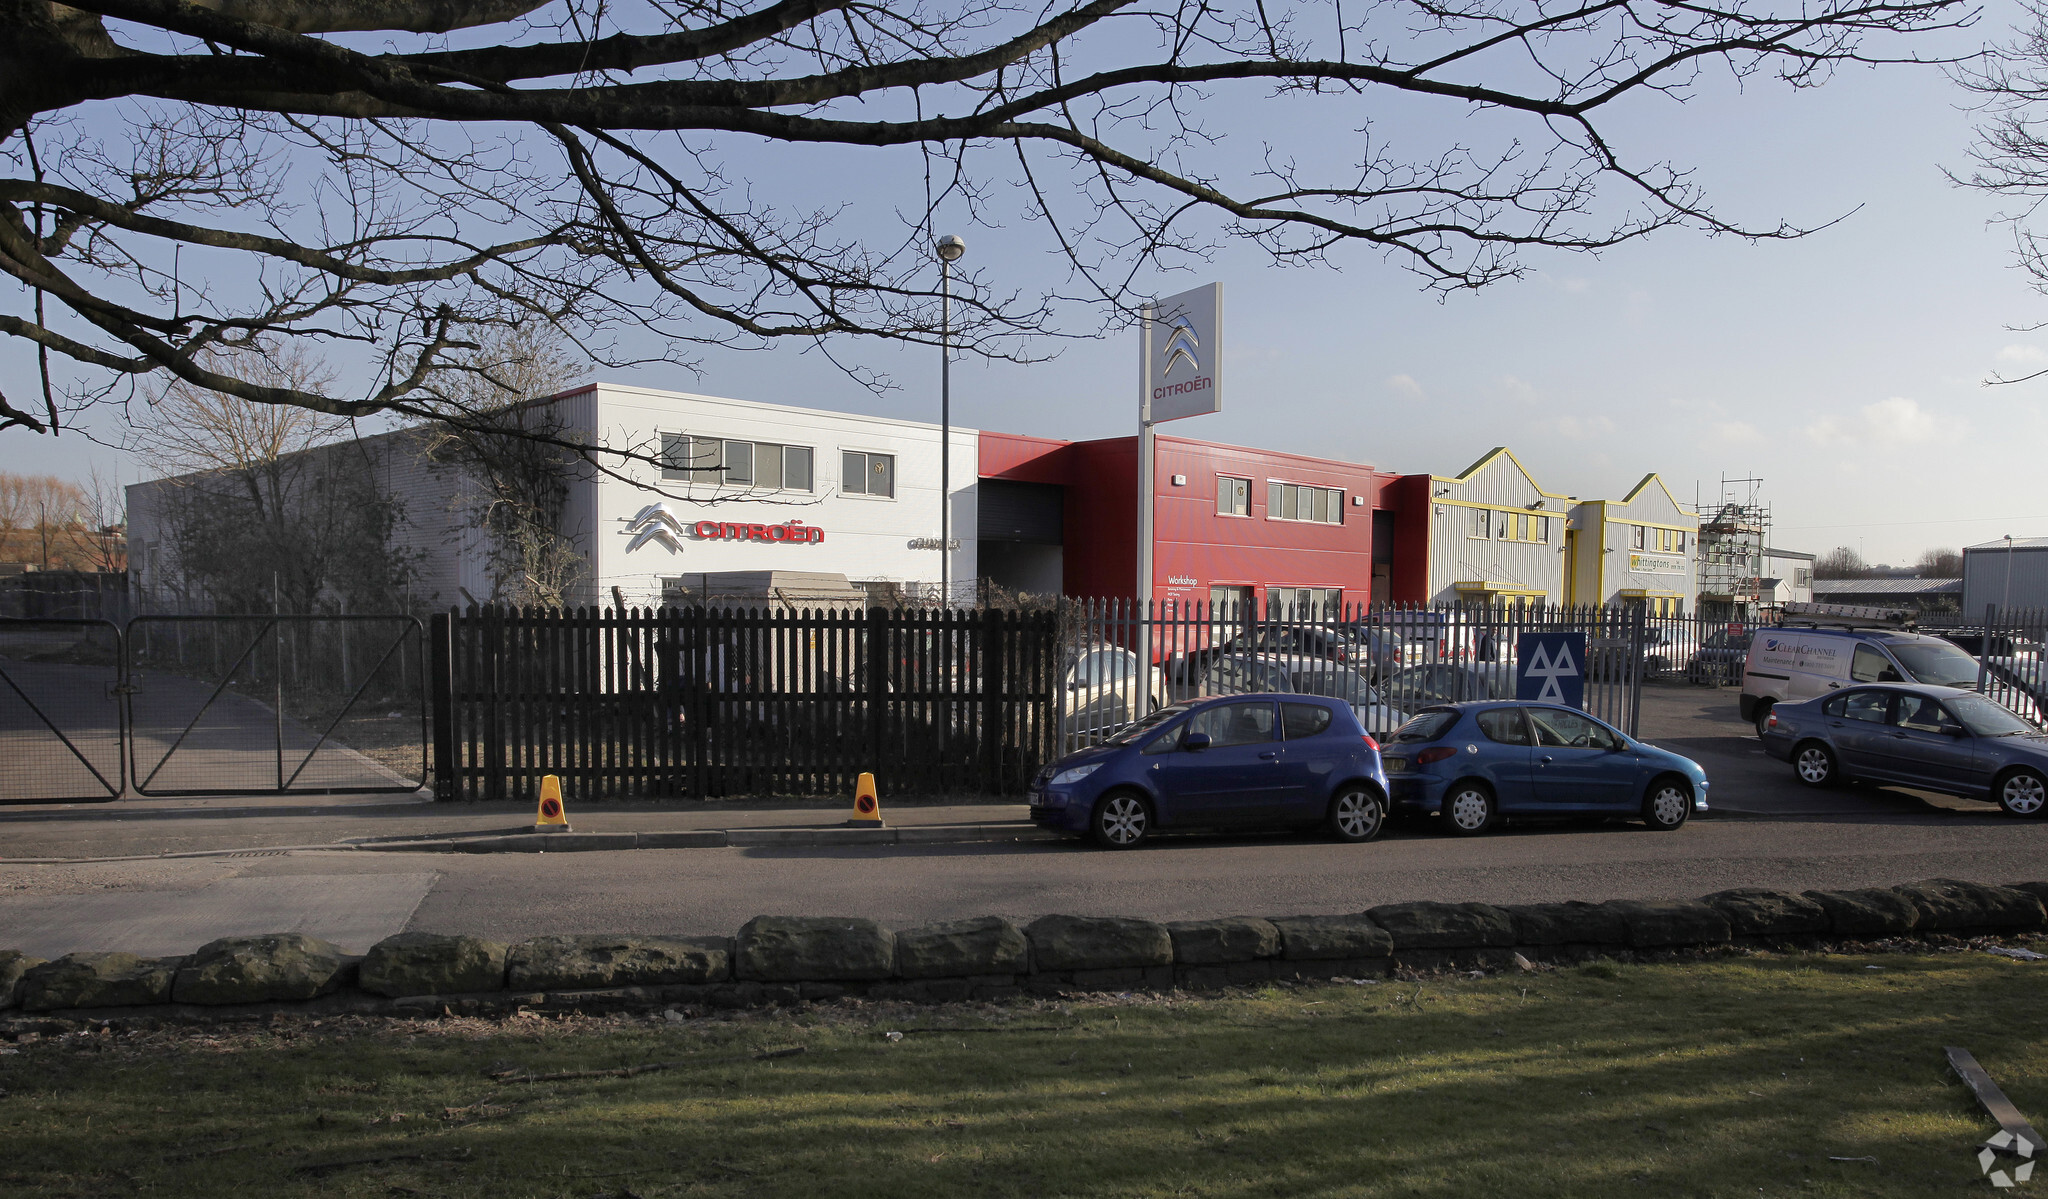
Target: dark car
{"type": "Point", "coordinates": [1720, 658]}
{"type": "Point", "coordinates": [1240, 761]}
{"type": "Point", "coordinates": [1475, 763]}
{"type": "Point", "coordinates": [1934, 738]}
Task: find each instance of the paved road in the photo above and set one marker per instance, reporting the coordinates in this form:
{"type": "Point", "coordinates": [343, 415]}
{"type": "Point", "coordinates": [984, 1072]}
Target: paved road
{"type": "Point", "coordinates": [1768, 831]}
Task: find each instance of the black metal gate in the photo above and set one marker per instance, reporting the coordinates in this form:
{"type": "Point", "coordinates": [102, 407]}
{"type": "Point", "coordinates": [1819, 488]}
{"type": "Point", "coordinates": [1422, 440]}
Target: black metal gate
{"type": "Point", "coordinates": [275, 704]}
{"type": "Point", "coordinates": [60, 711]}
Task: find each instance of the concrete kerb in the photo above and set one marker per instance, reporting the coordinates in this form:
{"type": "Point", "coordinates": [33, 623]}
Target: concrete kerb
{"type": "Point", "coordinates": [785, 960]}
{"type": "Point", "coordinates": [530, 842]}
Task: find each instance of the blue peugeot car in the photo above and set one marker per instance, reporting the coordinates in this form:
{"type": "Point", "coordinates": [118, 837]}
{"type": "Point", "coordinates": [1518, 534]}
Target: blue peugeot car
{"type": "Point", "coordinates": [1239, 761]}
{"type": "Point", "coordinates": [1478, 763]}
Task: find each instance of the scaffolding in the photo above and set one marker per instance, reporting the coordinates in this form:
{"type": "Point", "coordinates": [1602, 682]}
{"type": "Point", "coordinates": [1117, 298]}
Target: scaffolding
{"type": "Point", "coordinates": [1734, 529]}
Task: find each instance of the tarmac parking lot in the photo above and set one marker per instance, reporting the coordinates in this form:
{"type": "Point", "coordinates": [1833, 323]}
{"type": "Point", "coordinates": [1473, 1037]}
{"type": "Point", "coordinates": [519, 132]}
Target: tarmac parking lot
{"type": "Point", "coordinates": [297, 863]}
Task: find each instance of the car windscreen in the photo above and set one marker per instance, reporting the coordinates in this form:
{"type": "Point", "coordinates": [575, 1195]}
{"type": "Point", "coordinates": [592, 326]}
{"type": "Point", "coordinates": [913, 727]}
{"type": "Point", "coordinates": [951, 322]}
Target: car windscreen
{"type": "Point", "coordinates": [1936, 663]}
{"type": "Point", "coordinates": [1138, 728]}
{"type": "Point", "coordinates": [1984, 718]}
{"type": "Point", "coordinates": [1427, 726]}
{"type": "Point", "coordinates": [1347, 685]}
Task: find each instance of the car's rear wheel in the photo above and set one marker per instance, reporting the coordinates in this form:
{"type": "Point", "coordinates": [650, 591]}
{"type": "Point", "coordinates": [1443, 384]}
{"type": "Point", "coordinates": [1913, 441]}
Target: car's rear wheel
{"type": "Point", "coordinates": [1469, 809]}
{"type": "Point", "coordinates": [2022, 793]}
{"type": "Point", "coordinates": [1357, 814]}
{"type": "Point", "coordinates": [1121, 821]}
{"type": "Point", "coordinates": [1763, 717]}
{"type": "Point", "coordinates": [1667, 804]}
{"type": "Point", "coordinates": [1816, 765]}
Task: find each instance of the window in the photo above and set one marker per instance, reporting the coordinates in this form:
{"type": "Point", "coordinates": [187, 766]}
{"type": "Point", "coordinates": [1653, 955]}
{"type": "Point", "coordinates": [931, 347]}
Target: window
{"type": "Point", "coordinates": [1635, 537]}
{"type": "Point", "coordinates": [755, 464]}
{"type": "Point", "coordinates": [1505, 726]}
{"type": "Point", "coordinates": [1672, 541]}
{"type": "Point", "coordinates": [1291, 501]}
{"type": "Point", "coordinates": [1871, 666]}
{"type": "Point", "coordinates": [1557, 727]}
{"type": "Point", "coordinates": [1923, 714]}
{"type": "Point", "coordinates": [867, 474]}
{"type": "Point", "coordinates": [1233, 496]}
{"type": "Point", "coordinates": [1482, 523]}
{"type": "Point", "coordinates": [1543, 529]}
{"type": "Point", "coordinates": [1867, 706]}
{"type": "Point", "coordinates": [1303, 720]}
{"type": "Point", "coordinates": [1303, 603]}
{"type": "Point", "coordinates": [1235, 724]}
{"type": "Point", "coordinates": [1802, 576]}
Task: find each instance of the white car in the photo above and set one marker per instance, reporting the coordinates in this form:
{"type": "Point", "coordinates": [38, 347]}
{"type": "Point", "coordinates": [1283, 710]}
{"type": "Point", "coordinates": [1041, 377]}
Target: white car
{"type": "Point", "coordinates": [1099, 692]}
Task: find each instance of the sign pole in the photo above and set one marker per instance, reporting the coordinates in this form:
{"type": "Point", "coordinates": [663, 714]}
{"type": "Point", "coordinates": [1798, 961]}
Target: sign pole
{"type": "Point", "coordinates": [1145, 489]}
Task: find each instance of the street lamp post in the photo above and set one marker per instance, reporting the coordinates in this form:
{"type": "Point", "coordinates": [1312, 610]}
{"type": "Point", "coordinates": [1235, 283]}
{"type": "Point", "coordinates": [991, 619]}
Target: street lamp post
{"type": "Point", "coordinates": [949, 248]}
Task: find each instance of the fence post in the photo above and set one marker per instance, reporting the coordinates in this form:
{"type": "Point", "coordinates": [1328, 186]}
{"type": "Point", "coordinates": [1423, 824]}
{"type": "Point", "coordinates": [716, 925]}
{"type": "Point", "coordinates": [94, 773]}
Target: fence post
{"type": "Point", "coordinates": [877, 682]}
{"type": "Point", "coordinates": [1637, 618]}
{"type": "Point", "coordinates": [441, 699]}
{"type": "Point", "coordinates": [1984, 650]}
{"type": "Point", "coordinates": [994, 647]}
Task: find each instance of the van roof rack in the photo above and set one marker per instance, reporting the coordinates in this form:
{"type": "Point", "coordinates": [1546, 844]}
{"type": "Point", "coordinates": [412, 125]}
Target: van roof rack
{"type": "Point", "coordinates": [1847, 616]}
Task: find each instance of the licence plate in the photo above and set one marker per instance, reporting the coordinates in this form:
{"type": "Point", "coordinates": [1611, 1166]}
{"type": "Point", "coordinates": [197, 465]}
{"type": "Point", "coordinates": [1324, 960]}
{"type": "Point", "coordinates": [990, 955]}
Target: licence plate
{"type": "Point", "coordinates": [1394, 764]}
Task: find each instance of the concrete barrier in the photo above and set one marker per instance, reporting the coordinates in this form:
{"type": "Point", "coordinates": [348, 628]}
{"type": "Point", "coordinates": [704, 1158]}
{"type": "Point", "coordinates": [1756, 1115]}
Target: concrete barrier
{"type": "Point", "coordinates": [790, 959]}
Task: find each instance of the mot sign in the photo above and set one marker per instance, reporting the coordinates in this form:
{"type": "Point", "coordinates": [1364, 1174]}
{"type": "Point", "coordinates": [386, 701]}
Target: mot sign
{"type": "Point", "coordinates": [1183, 340]}
{"type": "Point", "coordinates": [1551, 668]}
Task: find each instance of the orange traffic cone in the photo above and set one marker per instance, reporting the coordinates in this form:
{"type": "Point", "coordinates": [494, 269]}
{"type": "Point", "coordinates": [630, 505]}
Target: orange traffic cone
{"type": "Point", "coordinates": [867, 806]}
{"type": "Point", "coordinates": [551, 818]}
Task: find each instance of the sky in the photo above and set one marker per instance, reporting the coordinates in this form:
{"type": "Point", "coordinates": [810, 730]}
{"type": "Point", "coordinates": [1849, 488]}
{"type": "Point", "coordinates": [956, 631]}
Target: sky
{"type": "Point", "coordinates": [1846, 369]}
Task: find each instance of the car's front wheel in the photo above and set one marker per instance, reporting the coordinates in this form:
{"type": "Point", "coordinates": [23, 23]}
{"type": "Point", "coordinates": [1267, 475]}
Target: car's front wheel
{"type": "Point", "coordinates": [1469, 809]}
{"type": "Point", "coordinates": [1667, 805]}
{"type": "Point", "coordinates": [2022, 793]}
{"type": "Point", "coordinates": [1122, 821]}
{"type": "Point", "coordinates": [1357, 814]}
{"type": "Point", "coordinates": [1816, 765]}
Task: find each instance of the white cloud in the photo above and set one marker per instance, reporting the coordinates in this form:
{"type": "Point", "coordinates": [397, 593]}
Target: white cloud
{"type": "Point", "coordinates": [1407, 386]}
{"type": "Point", "coordinates": [2025, 355]}
{"type": "Point", "coordinates": [1737, 432]}
{"type": "Point", "coordinates": [1520, 390]}
{"type": "Point", "coordinates": [1896, 421]}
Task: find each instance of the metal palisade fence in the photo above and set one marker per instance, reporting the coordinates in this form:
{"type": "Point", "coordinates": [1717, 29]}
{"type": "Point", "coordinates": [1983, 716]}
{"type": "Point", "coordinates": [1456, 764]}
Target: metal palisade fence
{"type": "Point", "coordinates": [1387, 662]}
{"type": "Point", "coordinates": [2010, 658]}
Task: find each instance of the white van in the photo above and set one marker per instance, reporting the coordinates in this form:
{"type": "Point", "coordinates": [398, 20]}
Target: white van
{"type": "Point", "coordinates": [1792, 665]}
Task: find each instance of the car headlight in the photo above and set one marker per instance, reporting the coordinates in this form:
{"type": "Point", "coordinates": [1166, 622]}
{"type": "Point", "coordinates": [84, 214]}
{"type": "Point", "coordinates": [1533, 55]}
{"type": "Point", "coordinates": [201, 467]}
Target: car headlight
{"type": "Point", "coordinates": [1075, 774]}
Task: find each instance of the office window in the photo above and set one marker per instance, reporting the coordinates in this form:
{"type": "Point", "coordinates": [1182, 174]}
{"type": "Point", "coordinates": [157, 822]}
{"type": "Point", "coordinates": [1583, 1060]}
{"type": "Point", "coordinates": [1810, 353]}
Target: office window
{"type": "Point", "coordinates": [1291, 501]}
{"type": "Point", "coordinates": [754, 464]}
{"type": "Point", "coordinates": [1304, 603]}
{"type": "Point", "coordinates": [1233, 496]}
{"type": "Point", "coordinates": [1482, 523]}
{"type": "Point", "coordinates": [1635, 534]}
{"type": "Point", "coordinates": [796, 468]}
{"type": "Point", "coordinates": [867, 474]}
{"type": "Point", "coordinates": [1543, 529]}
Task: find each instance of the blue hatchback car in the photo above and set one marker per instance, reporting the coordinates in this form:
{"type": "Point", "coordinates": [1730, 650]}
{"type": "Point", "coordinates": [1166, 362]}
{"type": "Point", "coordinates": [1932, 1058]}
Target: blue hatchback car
{"type": "Point", "coordinates": [1477, 763]}
{"type": "Point", "coordinates": [1238, 761]}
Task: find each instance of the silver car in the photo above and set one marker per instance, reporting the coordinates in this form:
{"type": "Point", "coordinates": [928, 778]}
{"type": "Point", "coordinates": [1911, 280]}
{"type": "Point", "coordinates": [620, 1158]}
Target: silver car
{"type": "Point", "coordinates": [1934, 738]}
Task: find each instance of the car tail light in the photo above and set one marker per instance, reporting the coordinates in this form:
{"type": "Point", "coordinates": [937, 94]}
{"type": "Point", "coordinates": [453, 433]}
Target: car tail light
{"type": "Point", "coordinates": [1371, 744]}
{"type": "Point", "coordinates": [1771, 721]}
{"type": "Point", "coordinates": [1435, 753]}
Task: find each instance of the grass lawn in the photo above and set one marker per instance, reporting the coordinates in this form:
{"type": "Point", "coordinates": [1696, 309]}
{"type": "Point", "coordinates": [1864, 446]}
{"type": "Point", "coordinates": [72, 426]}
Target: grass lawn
{"type": "Point", "coordinates": [1740, 1076]}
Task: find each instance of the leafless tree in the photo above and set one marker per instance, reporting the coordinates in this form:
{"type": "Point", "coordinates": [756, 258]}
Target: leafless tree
{"type": "Point", "coordinates": [396, 176]}
{"type": "Point", "coordinates": [1940, 563]}
{"type": "Point", "coordinates": [1841, 562]}
{"type": "Point", "coordinates": [2011, 84]}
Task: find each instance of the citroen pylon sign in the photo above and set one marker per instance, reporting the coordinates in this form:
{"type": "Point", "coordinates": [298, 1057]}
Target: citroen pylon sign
{"type": "Point", "coordinates": [1184, 359]}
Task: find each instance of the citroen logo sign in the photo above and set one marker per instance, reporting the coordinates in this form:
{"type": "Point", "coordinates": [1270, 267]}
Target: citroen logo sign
{"type": "Point", "coordinates": [1183, 345]}
{"type": "Point", "coordinates": [657, 524]}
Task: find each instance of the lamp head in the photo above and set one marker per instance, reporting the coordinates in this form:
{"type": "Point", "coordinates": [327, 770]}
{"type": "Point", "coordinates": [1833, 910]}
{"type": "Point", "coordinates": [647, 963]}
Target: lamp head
{"type": "Point", "coordinates": [950, 247]}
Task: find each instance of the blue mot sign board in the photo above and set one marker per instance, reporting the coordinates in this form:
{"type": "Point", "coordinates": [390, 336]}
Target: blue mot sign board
{"type": "Point", "coordinates": [1551, 668]}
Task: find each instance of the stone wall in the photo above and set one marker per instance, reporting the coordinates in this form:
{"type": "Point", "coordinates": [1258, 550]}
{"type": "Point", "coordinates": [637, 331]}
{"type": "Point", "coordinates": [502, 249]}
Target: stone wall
{"type": "Point", "coordinates": [788, 959]}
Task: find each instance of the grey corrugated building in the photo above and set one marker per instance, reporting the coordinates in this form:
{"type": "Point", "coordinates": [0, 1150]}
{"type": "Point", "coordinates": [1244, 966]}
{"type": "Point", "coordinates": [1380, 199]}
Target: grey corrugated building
{"type": "Point", "coordinates": [2011, 572]}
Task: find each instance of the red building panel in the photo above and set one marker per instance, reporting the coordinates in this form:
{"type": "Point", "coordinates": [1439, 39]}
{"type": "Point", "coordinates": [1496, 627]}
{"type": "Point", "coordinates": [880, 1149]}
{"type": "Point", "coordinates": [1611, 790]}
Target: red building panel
{"type": "Point", "coordinates": [1196, 546]}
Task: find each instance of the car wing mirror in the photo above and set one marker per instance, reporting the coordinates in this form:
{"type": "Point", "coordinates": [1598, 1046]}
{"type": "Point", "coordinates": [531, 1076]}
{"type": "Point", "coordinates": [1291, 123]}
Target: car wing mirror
{"type": "Point", "coordinates": [1194, 742]}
